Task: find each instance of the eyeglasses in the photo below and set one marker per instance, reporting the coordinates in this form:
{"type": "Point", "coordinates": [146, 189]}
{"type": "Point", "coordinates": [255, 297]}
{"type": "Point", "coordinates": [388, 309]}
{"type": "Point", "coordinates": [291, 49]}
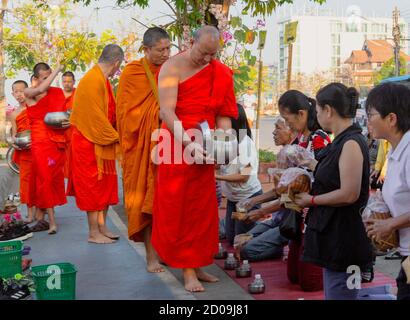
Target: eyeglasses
{"type": "Point", "coordinates": [370, 115]}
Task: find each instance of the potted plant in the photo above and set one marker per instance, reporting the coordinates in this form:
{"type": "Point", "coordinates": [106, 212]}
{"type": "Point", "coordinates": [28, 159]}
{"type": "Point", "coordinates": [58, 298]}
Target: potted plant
{"type": "Point", "coordinates": [267, 159]}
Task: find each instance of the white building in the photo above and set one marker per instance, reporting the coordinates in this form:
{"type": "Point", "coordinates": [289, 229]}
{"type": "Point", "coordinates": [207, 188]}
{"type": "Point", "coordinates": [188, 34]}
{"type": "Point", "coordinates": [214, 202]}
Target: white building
{"type": "Point", "coordinates": [325, 40]}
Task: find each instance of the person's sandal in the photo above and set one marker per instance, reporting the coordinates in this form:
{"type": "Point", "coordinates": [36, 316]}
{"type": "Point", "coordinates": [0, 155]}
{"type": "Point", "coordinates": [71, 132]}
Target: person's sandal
{"type": "Point", "coordinates": [395, 255]}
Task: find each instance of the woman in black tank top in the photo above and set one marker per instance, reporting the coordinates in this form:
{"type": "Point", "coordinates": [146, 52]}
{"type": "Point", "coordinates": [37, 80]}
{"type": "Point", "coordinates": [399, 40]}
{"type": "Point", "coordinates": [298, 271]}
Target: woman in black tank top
{"type": "Point", "coordinates": [335, 237]}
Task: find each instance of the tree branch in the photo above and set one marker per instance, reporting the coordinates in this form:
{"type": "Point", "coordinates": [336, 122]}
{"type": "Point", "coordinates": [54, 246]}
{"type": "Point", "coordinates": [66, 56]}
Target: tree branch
{"type": "Point", "coordinates": [140, 23]}
{"type": "Point", "coordinates": [169, 5]}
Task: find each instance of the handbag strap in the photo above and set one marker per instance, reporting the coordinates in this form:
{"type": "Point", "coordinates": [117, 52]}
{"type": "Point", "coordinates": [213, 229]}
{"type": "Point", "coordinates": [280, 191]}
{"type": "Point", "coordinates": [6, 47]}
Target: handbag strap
{"type": "Point", "coordinates": [151, 78]}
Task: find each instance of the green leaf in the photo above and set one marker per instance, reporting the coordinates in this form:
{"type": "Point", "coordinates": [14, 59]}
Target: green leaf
{"type": "Point", "coordinates": [240, 35]}
{"type": "Point", "coordinates": [236, 22]}
{"type": "Point", "coordinates": [252, 61]}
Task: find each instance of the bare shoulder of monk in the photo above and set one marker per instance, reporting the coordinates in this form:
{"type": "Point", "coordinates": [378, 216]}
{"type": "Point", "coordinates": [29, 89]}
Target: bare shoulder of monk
{"type": "Point", "coordinates": [170, 69]}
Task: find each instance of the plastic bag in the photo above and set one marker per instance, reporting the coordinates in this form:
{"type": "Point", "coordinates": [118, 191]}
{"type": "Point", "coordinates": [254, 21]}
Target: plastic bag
{"type": "Point", "coordinates": [375, 204]}
{"type": "Point", "coordinates": [294, 156]}
{"type": "Point", "coordinates": [295, 179]}
{"type": "Point", "coordinates": [377, 209]}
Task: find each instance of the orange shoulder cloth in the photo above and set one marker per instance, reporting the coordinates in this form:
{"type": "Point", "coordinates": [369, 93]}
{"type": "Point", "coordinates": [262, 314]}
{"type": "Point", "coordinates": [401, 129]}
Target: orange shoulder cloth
{"type": "Point", "coordinates": [90, 117]}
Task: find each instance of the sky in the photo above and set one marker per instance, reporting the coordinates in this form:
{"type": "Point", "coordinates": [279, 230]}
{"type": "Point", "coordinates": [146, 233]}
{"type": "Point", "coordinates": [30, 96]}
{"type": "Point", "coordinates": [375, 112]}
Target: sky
{"type": "Point", "coordinates": [103, 15]}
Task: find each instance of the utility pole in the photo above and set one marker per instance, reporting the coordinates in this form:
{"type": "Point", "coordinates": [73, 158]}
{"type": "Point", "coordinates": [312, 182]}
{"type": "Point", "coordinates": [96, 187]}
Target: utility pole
{"type": "Point", "coordinates": [289, 73]}
{"type": "Point", "coordinates": [396, 39]}
{"type": "Point", "coordinates": [261, 46]}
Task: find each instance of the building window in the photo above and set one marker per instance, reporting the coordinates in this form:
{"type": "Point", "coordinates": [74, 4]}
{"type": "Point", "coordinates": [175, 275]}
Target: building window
{"type": "Point", "coordinates": [335, 62]}
{"type": "Point", "coordinates": [336, 50]}
{"type": "Point", "coordinates": [336, 26]}
{"type": "Point", "coordinates": [364, 27]}
{"type": "Point", "coordinates": [335, 38]}
{"type": "Point", "coordinates": [352, 27]}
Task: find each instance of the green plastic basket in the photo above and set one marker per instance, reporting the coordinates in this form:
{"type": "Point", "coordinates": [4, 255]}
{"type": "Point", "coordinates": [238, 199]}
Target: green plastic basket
{"type": "Point", "coordinates": [55, 281]}
{"type": "Point", "coordinates": [10, 258]}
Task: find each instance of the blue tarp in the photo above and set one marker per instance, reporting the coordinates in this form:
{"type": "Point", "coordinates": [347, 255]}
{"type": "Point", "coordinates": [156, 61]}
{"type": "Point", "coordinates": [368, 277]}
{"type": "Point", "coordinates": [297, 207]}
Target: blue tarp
{"type": "Point", "coordinates": [397, 79]}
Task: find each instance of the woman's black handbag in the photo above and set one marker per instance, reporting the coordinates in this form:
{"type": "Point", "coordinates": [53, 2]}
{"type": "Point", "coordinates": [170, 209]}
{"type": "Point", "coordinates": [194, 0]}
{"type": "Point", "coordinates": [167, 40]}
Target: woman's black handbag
{"type": "Point", "coordinates": [290, 228]}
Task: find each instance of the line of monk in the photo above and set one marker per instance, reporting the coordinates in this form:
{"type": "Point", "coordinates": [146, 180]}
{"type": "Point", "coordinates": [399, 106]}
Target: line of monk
{"type": "Point", "coordinates": [171, 207]}
{"type": "Point", "coordinates": [22, 157]}
{"type": "Point", "coordinates": [137, 119]}
{"type": "Point", "coordinates": [95, 145]}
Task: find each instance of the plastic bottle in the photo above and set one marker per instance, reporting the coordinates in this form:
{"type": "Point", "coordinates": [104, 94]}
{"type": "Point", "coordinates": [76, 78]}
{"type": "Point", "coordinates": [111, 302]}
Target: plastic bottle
{"type": "Point", "coordinates": [222, 254]}
{"type": "Point", "coordinates": [244, 271]}
{"type": "Point", "coordinates": [257, 286]}
{"type": "Point", "coordinates": [231, 263]}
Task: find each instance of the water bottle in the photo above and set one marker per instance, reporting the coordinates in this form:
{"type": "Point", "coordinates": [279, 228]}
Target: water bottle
{"type": "Point", "coordinates": [257, 286]}
{"type": "Point", "coordinates": [244, 271]}
{"type": "Point", "coordinates": [222, 254]}
{"type": "Point", "coordinates": [230, 263]}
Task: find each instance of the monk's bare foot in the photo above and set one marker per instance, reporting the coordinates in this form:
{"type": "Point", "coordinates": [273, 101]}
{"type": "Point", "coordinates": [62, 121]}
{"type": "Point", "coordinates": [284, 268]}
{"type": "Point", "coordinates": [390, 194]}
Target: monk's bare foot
{"type": "Point", "coordinates": [191, 281]}
{"type": "Point", "coordinates": [99, 239]}
{"type": "Point", "coordinates": [108, 233]}
{"type": "Point", "coordinates": [204, 276]}
{"type": "Point", "coordinates": [154, 267]}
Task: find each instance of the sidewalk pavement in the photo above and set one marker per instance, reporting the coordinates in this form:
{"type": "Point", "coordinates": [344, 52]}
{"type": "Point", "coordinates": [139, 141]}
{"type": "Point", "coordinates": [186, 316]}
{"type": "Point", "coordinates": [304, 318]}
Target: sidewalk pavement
{"type": "Point", "coordinates": [117, 271]}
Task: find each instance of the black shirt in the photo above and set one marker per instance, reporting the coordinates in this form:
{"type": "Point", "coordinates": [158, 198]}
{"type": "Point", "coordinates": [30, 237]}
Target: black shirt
{"type": "Point", "coordinates": [335, 236]}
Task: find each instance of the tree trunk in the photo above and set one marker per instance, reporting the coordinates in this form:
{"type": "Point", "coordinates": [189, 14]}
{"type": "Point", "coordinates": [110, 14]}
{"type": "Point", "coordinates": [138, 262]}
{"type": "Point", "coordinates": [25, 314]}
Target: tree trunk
{"type": "Point", "coordinates": [2, 75]}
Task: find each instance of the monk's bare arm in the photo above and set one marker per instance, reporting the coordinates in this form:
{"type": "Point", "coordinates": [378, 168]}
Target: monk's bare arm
{"type": "Point", "coordinates": [31, 93]}
{"type": "Point", "coordinates": [168, 82]}
{"type": "Point", "coordinates": [13, 122]}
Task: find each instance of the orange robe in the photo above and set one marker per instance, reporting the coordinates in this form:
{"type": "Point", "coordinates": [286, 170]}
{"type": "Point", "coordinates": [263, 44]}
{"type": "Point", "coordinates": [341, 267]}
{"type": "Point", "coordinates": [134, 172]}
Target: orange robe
{"type": "Point", "coordinates": [23, 159]}
{"type": "Point", "coordinates": [48, 153]}
{"type": "Point", "coordinates": [137, 119]}
{"type": "Point", "coordinates": [69, 101]}
{"type": "Point", "coordinates": [185, 224]}
{"type": "Point", "coordinates": [93, 179]}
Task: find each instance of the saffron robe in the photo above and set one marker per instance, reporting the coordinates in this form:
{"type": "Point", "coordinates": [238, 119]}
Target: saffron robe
{"type": "Point", "coordinates": [185, 216]}
{"type": "Point", "coordinates": [137, 119]}
{"type": "Point", "coordinates": [23, 159]}
{"type": "Point", "coordinates": [94, 190]}
{"type": "Point", "coordinates": [48, 153]}
{"type": "Point", "coordinates": [69, 101]}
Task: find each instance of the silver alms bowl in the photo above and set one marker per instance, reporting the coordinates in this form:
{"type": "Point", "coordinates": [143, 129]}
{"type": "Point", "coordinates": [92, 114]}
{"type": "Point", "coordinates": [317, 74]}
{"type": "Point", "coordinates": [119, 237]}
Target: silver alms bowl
{"type": "Point", "coordinates": [57, 120]}
{"type": "Point", "coordinates": [23, 139]}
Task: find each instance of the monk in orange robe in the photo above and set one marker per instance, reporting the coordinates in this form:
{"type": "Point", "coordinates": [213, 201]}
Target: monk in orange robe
{"type": "Point", "coordinates": [137, 119]}
{"type": "Point", "coordinates": [68, 82]}
{"type": "Point", "coordinates": [22, 157]}
{"type": "Point", "coordinates": [192, 87]}
{"type": "Point", "coordinates": [48, 145]}
{"type": "Point", "coordinates": [94, 145]}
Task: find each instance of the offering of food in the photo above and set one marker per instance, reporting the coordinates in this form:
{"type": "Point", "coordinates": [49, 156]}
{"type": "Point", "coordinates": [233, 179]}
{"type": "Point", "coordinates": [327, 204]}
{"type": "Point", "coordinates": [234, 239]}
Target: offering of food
{"type": "Point", "coordinates": [294, 156]}
{"type": "Point", "coordinates": [292, 181]}
{"type": "Point", "coordinates": [377, 209]}
{"type": "Point", "coordinates": [240, 216]}
{"type": "Point", "coordinates": [389, 242]}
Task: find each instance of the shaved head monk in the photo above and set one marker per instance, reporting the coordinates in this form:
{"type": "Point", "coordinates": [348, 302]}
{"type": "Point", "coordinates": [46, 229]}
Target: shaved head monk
{"type": "Point", "coordinates": [137, 119]}
{"type": "Point", "coordinates": [20, 122]}
{"type": "Point", "coordinates": [68, 82]}
{"type": "Point", "coordinates": [47, 146]}
{"type": "Point", "coordinates": [193, 86]}
{"type": "Point", "coordinates": [94, 145]}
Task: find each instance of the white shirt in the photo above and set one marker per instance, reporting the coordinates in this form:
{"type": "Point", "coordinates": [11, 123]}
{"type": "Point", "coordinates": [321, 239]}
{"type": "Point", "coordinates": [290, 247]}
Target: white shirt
{"type": "Point", "coordinates": [248, 155]}
{"type": "Point", "coordinates": [396, 188]}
